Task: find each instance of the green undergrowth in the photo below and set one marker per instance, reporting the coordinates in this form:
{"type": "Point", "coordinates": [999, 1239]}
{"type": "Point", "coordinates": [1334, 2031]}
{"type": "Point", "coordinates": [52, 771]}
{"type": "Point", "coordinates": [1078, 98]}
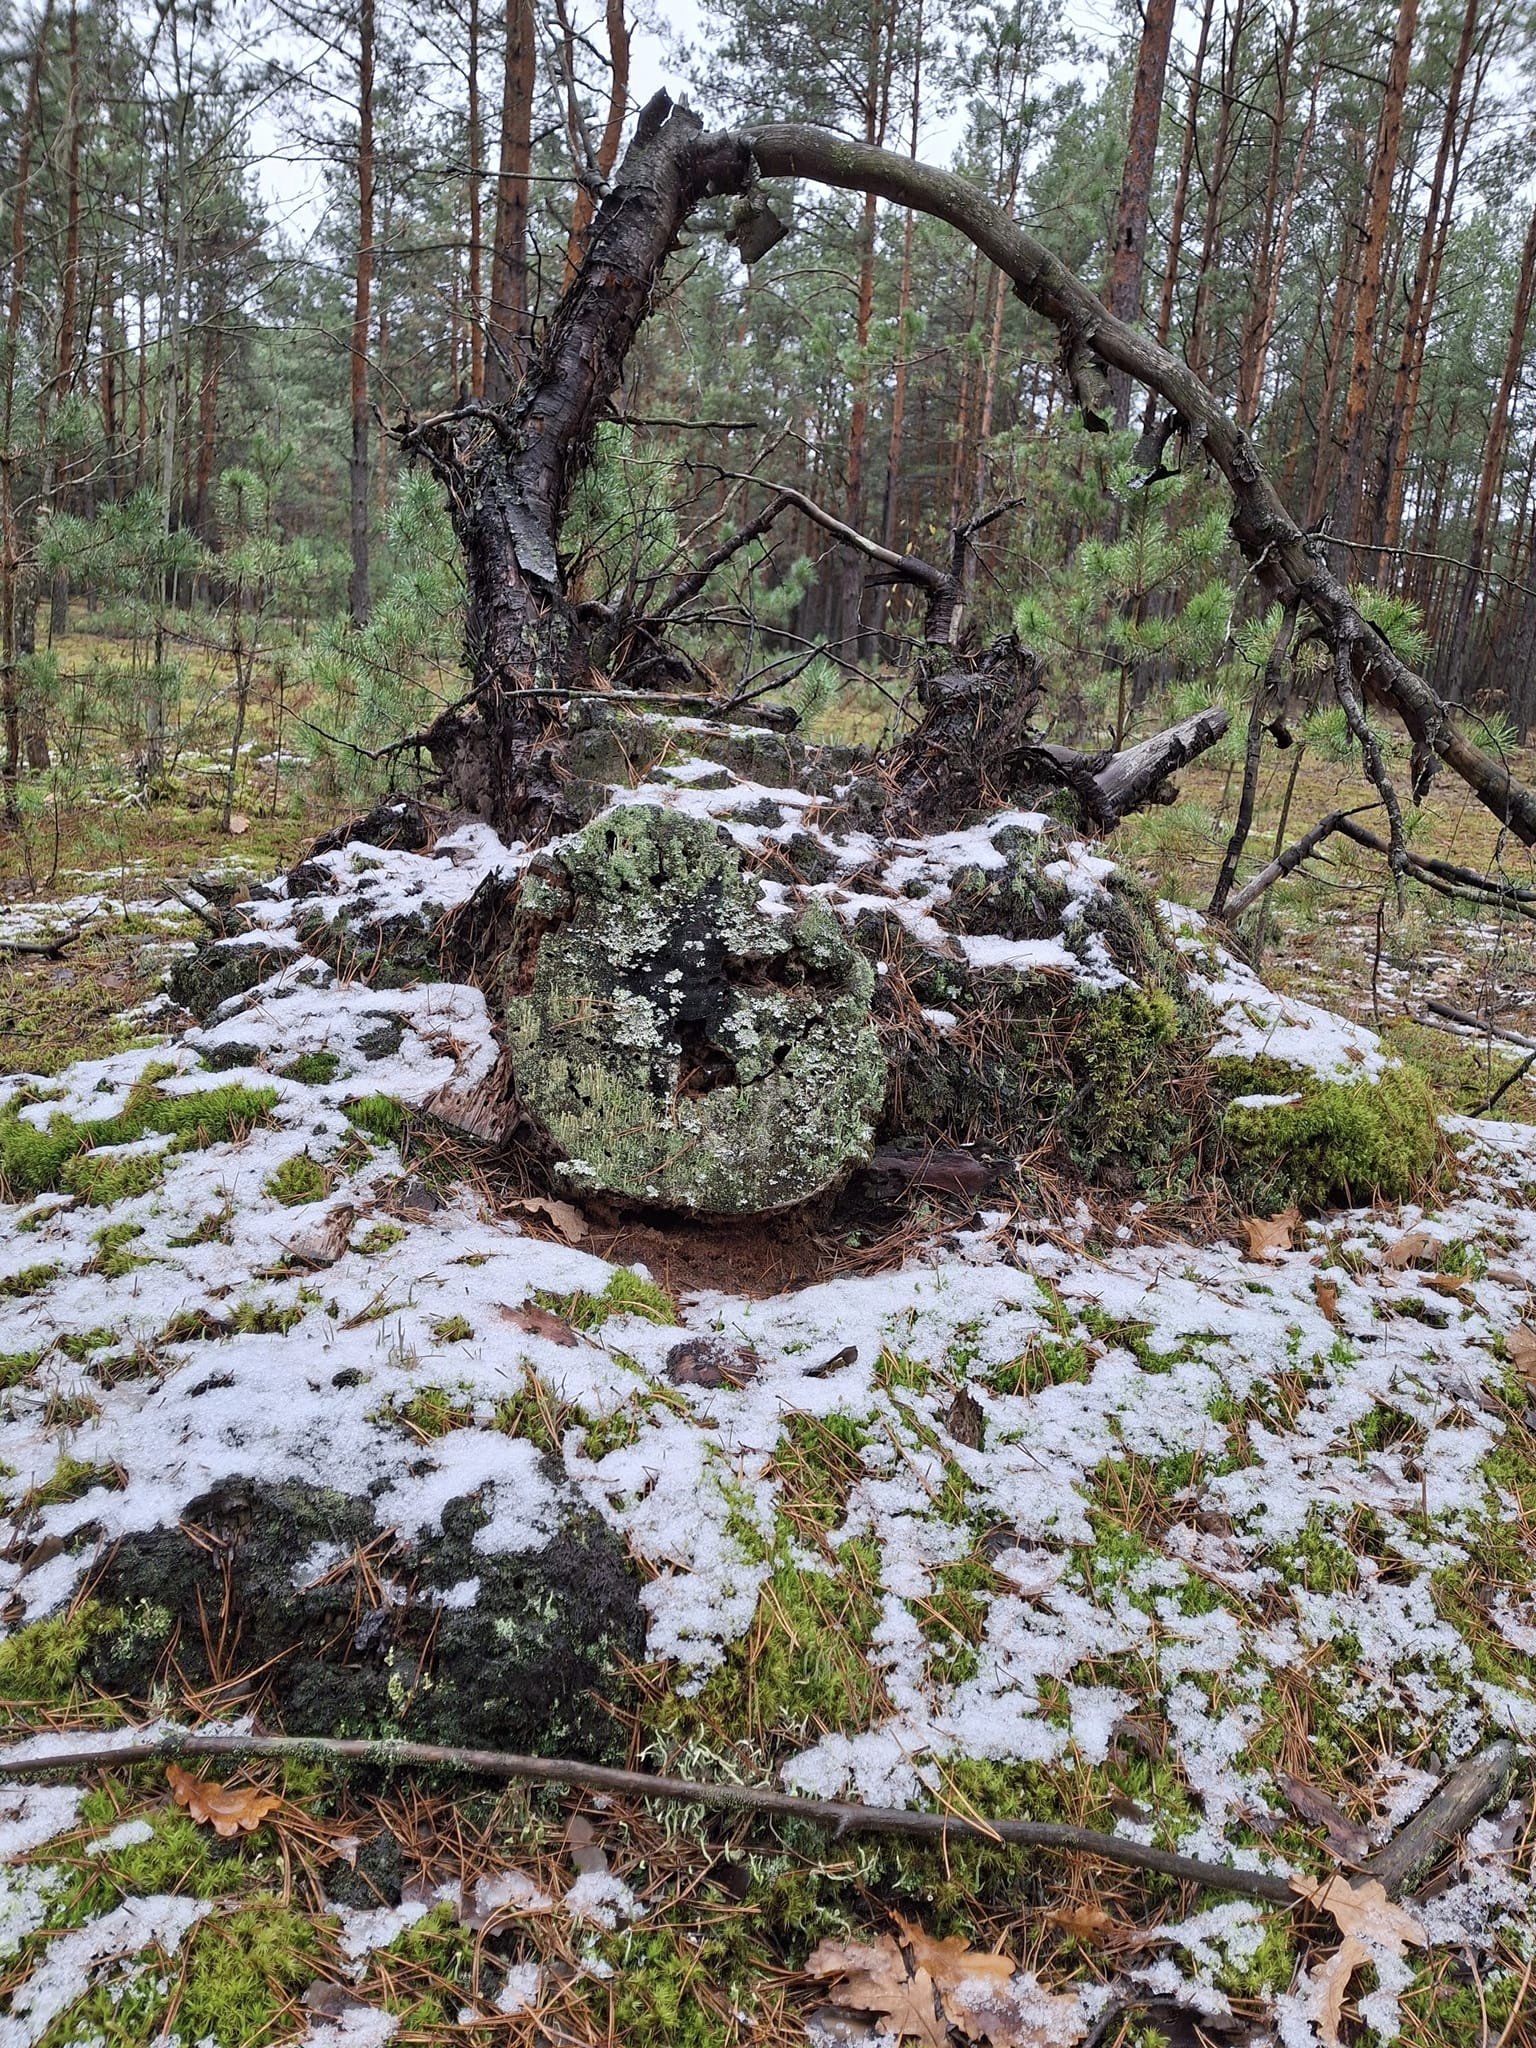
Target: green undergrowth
{"type": "Point", "coordinates": [627, 1293]}
{"type": "Point", "coordinates": [1347, 1142]}
{"type": "Point", "coordinates": [36, 1160]}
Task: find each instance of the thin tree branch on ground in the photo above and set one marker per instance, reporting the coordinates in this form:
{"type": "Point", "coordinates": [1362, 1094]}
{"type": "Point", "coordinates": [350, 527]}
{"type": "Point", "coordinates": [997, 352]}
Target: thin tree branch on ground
{"type": "Point", "coordinates": [842, 1817]}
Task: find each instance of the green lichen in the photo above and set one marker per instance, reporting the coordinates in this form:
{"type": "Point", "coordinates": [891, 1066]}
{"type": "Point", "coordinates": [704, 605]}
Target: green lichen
{"type": "Point", "coordinates": [677, 1045]}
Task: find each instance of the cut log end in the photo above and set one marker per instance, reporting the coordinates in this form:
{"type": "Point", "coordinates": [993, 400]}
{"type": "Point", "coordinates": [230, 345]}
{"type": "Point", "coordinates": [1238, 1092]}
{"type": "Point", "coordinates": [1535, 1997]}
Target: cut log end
{"type": "Point", "coordinates": [678, 1047]}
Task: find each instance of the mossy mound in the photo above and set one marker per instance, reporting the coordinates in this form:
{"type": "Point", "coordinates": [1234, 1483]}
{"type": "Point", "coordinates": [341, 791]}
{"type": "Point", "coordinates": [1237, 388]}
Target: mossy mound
{"type": "Point", "coordinates": [677, 1045]}
{"type": "Point", "coordinates": [1098, 1064]}
{"type": "Point", "coordinates": [203, 980]}
{"type": "Point", "coordinates": [440, 1642]}
{"type": "Point", "coordinates": [1294, 1136]}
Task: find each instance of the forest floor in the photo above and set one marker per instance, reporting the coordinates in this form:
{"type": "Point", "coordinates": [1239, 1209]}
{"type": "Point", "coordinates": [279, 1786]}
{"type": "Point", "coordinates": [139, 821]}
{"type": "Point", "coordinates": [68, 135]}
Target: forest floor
{"type": "Point", "coordinates": [1222, 1545]}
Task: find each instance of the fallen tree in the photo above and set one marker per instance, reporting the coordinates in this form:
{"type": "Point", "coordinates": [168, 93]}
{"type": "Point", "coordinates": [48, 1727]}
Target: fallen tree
{"type": "Point", "coordinates": [509, 471]}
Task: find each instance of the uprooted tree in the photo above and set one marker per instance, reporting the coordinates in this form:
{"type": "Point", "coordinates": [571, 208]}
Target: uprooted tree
{"type": "Point", "coordinates": [669, 1042]}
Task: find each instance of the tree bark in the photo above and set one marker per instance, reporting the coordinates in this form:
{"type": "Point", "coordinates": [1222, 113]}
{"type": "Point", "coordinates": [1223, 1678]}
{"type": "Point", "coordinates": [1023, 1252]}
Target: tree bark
{"type": "Point", "coordinates": [1391, 463]}
{"type": "Point", "coordinates": [1357, 395]}
{"type": "Point", "coordinates": [1128, 251]}
{"type": "Point", "coordinates": [507, 326]}
{"type": "Point", "coordinates": [361, 294]}
{"type": "Point", "coordinates": [1491, 475]}
{"type": "Point", "coordinates": [12, 631]}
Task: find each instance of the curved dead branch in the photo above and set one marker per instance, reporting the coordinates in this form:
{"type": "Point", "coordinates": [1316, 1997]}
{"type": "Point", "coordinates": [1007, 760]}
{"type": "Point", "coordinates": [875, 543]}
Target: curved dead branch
{"type": "Point", "coordinates": [1290, 565]}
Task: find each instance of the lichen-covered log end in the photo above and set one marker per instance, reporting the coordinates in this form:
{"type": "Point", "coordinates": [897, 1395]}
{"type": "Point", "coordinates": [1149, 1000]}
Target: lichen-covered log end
{"type": "Point", "coordinates": [678, 1043]}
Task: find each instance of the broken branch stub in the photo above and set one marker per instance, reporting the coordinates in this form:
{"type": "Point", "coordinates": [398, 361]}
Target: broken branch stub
{"type": "Point", "coordinates": [673, 1043]}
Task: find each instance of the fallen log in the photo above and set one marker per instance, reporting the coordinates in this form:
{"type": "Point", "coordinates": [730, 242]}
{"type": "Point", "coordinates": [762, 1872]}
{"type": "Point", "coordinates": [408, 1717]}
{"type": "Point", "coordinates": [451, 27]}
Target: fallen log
{"type": "Point", "coordinates": [1111, 786]}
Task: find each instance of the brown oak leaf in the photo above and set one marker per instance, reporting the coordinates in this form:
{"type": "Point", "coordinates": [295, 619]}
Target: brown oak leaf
{"type": "Point", "coordinates": [1363, 1910]}
{"type": "Point", "coordinates": [534, 1321]}
{"type": "Point", "coordinates": [1264, 1235]}
{"type": "Point", "coordinates": [227, 1809]}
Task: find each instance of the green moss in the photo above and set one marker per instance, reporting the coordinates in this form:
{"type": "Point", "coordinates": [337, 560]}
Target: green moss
{"type": "Point", "coordinates": [379, 1116]}
{"type": "Point", "coordinates": [665, 1992]}
{"type": "Point", "coordinates": [626, 1294]}
{"type": "Point", "coordinates": [431, 1412]}
{"type": "Point", "coordinates": [452, 1330]}
{"type": "Point", "coordinates": [1341, 1141]}
{"type": "Point", "coordinates": [30, 1280]}
{"type": "Point", "coordinates": [803, 1668]}
{"type": "Point", "coordinates": [381, 1238]}
{"type": "Point", "coordinates": [80, 1346]}
{"type": "Point", "coordinates": [298, 1180]}
{"type": "Point", "coordinates": [16, 1368]}
{"type": "Point", "coordinates": [102, 1179]}
{"type": "Point", "coordinates": [111, 1260]}
{"type": "Point", "coordinates": [69, 1479]}
{"type": "Point", "coordinates": [900, 1371]}
{"type": "Point", "coordinates": [312, 1068]}
{"type": "Point", "coordinates": [33, 1160]}
{"type": "Point", "coordinates": [40, 1663]}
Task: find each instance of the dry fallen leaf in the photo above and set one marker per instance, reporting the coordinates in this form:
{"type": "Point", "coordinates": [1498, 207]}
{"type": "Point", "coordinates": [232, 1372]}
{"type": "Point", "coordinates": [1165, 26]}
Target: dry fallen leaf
{"type": "Point", "coordinates": [570, 1222]}
{"type": "Point", "coordinates": [239, 823]}
{"type": "Point", "coordinates": [1330, 1986]}
{"type": "Point", "coordinates": [707, 1362]}
{"type": "Point", "coordinates": [976, 1990]}
{"type": "Point", "coordinates": [1344, 1838]}
{"type": "Point", "coordinates": [1265, 1234]}
{"type": "Point", "coordinates": [873, 1977]}
{"type": "Point", "coordinates": [1327, 1292]}
{"type": "Point", "coordinates": [1446, 1283]}
{"type": "Point", "coordinates": [1521, 1346]}
{"type": "Point", "coordinates": [227, 1809]}
{"type": "Point", "coordinates": [534, 1321]}
{"type": "Point", "coordinates": [1412, 1249]}
{"type": "Point", "coordinates": [1364, 1910]}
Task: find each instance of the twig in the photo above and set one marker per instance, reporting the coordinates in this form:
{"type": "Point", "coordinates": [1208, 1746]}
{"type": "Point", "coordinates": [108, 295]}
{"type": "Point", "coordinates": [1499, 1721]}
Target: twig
{"type": "Point", "coordinates": [1507, 1083]}
{"type": "Point", "coordinates": [841, 1816]}
{"type": "Point", "coordinates": [1285, 863]}
{"type": "Point", "coordinates": [1468, 1792]}
{"type": "Point", "coordinates": [46, 949]}
{"type": "Point", "coordinates": [1483, 1025]}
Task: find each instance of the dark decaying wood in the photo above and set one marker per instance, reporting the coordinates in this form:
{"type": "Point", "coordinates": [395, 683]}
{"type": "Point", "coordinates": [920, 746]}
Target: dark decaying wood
{"type": "Point", "coordinates": [1475, 1786]}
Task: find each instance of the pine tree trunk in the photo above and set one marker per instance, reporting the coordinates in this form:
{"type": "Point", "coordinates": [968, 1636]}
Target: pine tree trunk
{"type": "Point", "coordinates": [476, 140]}
{"type": "Point", "coordinates": [1392, 461]}
{"type": "Point", "coordinates": [1128, 250]}
{"type": "Point", "coordinates": [507, 327]}
{"type": "Point", "coordinates": [357, 596]}
{"type": "Point", "coordinates": [1356, 429]}
{"type": "Point", "coordinates": [13, 634]}
{"type": "Point", "coordinates": [1492, 473]}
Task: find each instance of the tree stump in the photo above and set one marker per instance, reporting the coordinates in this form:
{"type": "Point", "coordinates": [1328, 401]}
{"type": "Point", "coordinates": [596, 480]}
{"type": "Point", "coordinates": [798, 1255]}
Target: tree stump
{"type": "Point", "coordinates": [676, 1043]}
